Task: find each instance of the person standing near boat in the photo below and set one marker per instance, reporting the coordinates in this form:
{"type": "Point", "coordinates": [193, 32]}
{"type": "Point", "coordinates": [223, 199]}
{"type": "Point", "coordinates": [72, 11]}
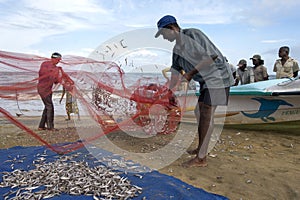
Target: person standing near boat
{"type": "Point", "coordinates": [259, 70]}
{"type": "Point", "coordinates": [232, 67]}
{"type": "Point", "coordinates": [285, 67]}
{"type": "Point", "coordinates": [245, 74]}
{"type": "Point", "coordinates": [48, 76]}
{"type": "Point", "coordinates": [203, 62]}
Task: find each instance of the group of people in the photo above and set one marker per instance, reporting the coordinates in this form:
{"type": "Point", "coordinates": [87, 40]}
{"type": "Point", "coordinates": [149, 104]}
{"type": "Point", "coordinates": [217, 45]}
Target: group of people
{"type": "Point", "coordinates": [285, 67]}
{"type": "Point", "coordinates": [196, 55]}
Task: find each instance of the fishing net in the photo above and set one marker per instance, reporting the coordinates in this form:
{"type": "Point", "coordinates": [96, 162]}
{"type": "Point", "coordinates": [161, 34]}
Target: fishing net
{"type": "Point", "coordinates": [108, 98]}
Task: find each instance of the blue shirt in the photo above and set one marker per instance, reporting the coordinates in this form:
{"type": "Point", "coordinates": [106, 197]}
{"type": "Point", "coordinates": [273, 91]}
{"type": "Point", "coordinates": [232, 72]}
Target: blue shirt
{"type": "Point", "coordinates": [192, 47]}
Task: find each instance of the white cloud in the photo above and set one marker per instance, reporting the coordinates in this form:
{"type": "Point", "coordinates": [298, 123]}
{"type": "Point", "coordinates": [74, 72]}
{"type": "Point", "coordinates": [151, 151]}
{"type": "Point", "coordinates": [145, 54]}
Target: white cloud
{"type": "Point", "coordinates": [259, 13]}
{"type": "Point", "coordinates": [28, 25]}
{"type": "Point", "coordinates": [67, 6]}
{"type": "Point", "coordinates": [276, 5]}
{"type": "Point", "coordinates": [31, 21]}
{"type": "Point", "coordinates": [276, 41]}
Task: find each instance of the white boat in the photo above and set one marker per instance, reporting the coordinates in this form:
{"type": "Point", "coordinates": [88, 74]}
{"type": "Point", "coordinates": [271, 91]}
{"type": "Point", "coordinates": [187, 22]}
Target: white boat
{"type": "Point", "coordinates": [268, 101]}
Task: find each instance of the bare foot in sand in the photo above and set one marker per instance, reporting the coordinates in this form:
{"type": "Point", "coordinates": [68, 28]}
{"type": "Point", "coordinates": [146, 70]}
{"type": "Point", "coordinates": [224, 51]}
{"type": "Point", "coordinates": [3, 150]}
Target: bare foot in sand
{"type": "Point", "coordinates": [195, 162]}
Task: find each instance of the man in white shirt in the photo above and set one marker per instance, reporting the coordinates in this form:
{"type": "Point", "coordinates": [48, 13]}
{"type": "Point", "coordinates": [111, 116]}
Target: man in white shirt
{"type": "Point", "coordinates": [285, 67]}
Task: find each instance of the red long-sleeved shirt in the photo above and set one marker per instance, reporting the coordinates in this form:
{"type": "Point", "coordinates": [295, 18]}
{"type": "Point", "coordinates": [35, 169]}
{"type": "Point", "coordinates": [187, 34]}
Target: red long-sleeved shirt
{"type": "Point", "coordinates": [48, 75]}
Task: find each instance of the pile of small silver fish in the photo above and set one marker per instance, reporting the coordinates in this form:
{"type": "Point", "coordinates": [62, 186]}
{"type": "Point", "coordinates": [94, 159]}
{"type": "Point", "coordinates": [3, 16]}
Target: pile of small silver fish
{"type": "Point", "coordinates": [68, 176]}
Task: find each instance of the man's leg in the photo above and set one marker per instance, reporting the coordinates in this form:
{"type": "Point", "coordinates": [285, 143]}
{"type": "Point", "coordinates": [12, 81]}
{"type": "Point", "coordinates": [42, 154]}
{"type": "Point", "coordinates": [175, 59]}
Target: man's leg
{"type": "Point", "coordinates": [208, 101]}
{"type": "Point", "coordinates": [50, 112]}
{"type": "Point", "coordinates": [68, 116]}
{"type": "Point", "coordinates": [205, 129]}
{"type": "Point", "coordinates": [44, 116]}
{"type": "Point", "coordinates": [78, 115]}
{"type": "Point", "coordinates": [197, 115]}
{"type": "Point", "coordinates": [43, 119]}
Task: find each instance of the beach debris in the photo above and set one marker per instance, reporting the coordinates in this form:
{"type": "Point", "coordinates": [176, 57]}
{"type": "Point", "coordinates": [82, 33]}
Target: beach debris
{"type": "Point", "coordinates": [287, 145]}
{"type": "Point", "coordinates": [213, 155]}
{"type": "Point", "coordinates": [248, 147]}
{"type": "Point", "coordinates": [69, 176]}
{"type": "Point", "coordinates": [246, 158]}
{"type": "Point", "coordinates": [249, 181]}
{"type": "Point", "coordinates": [139, 176]}
{"type": "Point", "coordinates": [219, 179]}
{"type": "Point", "coordinates": [242, 173]}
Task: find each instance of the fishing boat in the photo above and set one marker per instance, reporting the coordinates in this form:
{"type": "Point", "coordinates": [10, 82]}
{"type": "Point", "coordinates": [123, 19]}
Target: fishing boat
{"type": "Point", "coordinates": [270, 101]}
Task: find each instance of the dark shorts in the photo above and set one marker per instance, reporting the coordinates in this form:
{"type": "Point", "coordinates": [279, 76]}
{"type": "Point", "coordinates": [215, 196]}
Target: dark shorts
{"type": "Point", "coordinates": [214, 96]}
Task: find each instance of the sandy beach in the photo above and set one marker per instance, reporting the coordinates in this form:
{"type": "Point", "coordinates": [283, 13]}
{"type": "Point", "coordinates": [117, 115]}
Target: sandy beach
{"type": "Point", "coordinates": [249, 161]}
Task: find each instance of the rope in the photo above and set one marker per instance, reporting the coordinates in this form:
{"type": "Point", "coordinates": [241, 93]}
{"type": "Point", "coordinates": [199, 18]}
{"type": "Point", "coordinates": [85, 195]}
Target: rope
{"type": "Point", "coordinates": [287, 82]}
{"type": "Point", "coordinates": [20, 111]}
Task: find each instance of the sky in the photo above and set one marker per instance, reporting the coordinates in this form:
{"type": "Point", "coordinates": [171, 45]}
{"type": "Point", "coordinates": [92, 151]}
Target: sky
{"type": "Point", "coordinates": [239, 29]}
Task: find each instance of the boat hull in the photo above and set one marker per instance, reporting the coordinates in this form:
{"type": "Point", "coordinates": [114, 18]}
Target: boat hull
{"type": "Point", "coordinates": [249, 107]}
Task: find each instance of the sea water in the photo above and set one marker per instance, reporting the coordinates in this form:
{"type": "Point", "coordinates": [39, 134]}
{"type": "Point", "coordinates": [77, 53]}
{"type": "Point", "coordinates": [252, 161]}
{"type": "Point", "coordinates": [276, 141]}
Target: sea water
{"type": "Point", "coordinates": [33, 105]}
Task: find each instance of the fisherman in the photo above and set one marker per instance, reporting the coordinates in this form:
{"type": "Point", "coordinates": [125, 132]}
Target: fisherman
{"type": "Point", "coordinates": [259, 70]}
{"type": "Point", "coordinates": [244, 73]}
{"type": "Point", "coordinates": [202, 61]}
{"type": "Point", "coordinates": [48, 76]}
{"type": "Point", "coordinates": [285, 67]}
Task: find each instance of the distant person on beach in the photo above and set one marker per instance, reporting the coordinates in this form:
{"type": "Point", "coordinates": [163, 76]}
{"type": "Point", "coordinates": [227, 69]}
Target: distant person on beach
{"type": "Point", "coordinates": [260, 71]}
{"type": "Point", "coordinates": [71, 104]}
{"type": "Point", "coordinates": [48, 76]}
{"type": "Point", "coordinates": [245, 74]}
{"type": "Point", "coordinates": [285, 67]}
{"type": "Point", "coordinates": [183, 84]}
{"type": "Point", "coordinates": [203, 62]}
{"type": "Point", "coordinates": [233, 68]}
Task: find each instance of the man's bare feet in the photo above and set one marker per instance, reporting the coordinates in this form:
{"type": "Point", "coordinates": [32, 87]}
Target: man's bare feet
{"type": "Point", "coordinates": [193, 152]}
{"type": "Point", "coordinates": [195, 162]}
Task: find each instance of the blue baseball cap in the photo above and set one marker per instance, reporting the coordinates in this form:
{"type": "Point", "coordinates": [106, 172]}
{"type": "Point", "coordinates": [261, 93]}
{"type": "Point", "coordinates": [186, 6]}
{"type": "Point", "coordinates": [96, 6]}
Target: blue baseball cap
{"type": "Point", "coordinates": [164, 21]}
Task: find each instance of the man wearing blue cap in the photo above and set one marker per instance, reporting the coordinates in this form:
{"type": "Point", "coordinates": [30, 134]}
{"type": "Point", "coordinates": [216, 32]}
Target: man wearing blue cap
{"type": "Point", "coordinates": [203, 62]}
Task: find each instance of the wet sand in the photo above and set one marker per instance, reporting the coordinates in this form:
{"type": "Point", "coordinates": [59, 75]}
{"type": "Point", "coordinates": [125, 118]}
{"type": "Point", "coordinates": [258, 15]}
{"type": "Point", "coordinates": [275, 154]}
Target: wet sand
{"type": "Point", "coordinates": [249, 161]}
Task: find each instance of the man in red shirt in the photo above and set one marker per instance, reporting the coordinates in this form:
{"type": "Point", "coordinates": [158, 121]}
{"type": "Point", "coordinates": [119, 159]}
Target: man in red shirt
{"type": "Point", "coordinates": [48, 75]}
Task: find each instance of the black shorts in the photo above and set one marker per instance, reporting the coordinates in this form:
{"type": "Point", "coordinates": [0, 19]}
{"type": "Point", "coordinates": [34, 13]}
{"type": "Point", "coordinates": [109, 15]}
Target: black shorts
{"type": "Point", "coordinates": [214, 96]}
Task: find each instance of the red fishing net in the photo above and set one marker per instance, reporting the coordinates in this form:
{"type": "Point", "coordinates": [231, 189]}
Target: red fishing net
{"type": "Point", "coordinates": [107, 96]}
